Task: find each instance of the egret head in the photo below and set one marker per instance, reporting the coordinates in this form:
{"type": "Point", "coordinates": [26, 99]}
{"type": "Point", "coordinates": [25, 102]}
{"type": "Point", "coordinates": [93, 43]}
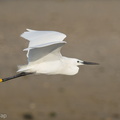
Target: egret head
{"type": "Point", "coordinates": [80, 62]}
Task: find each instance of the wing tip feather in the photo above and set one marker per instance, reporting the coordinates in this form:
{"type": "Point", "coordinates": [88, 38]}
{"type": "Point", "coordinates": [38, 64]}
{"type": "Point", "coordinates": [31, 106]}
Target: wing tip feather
{"type": "Point", "coordinates": [30, 30]}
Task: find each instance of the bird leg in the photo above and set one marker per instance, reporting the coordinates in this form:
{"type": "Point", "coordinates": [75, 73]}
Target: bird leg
{"type": "Point", "coordinates": [15, 76]}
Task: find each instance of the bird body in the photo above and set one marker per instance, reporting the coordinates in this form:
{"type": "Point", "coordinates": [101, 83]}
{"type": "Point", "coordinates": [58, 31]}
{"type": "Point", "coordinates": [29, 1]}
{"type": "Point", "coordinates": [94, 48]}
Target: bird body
{"type": "Point", "coordinates": [65, 66]}
{"type": "Point", "coordinates": [44, 55]}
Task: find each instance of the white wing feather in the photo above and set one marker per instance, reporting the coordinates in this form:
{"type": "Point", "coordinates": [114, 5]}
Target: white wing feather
{"type": "Point", "coordinates": [42, 43]}
{"type": "Point", "coordinates": [37, 53]}
{"type": "Point", "coordinates": [42, 37]}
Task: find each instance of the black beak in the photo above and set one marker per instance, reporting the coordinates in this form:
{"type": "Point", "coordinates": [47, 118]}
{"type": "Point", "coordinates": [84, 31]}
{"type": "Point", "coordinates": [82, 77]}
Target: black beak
{"type": "Point", "coordinates": [90, 63]}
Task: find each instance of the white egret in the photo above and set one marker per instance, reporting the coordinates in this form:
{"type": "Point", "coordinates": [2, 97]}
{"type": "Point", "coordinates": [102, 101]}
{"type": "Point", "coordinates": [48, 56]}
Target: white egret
{"type": "Point", "coordinates": [44, 55]}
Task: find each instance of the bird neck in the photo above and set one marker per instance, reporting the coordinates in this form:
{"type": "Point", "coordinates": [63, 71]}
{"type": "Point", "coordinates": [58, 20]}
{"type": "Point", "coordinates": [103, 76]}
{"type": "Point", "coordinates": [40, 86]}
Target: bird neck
{"type": "Point", "coordinates": [70, 67]}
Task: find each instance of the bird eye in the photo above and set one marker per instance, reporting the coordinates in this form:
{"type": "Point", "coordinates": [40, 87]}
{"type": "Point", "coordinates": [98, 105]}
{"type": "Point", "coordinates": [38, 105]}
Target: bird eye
{"type": "Point", "coordinates": [78, 61]}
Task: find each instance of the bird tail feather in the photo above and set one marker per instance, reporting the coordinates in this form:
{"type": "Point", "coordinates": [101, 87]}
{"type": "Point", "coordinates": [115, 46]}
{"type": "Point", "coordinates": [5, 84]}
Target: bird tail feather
{"type": "Point", "coordinates": [23, 68]}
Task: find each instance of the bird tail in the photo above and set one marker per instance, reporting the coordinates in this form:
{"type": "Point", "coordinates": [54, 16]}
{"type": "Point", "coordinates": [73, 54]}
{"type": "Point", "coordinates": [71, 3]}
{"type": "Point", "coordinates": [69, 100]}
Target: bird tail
{"type": "Point", "coordinates": [15, 76]}
{"type": "Point", "coordinates": [23, 68]}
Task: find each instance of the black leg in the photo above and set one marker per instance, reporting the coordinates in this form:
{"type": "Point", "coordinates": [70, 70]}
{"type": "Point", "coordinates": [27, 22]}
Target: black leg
{"type": "Point", "coordinates": [15, 76]}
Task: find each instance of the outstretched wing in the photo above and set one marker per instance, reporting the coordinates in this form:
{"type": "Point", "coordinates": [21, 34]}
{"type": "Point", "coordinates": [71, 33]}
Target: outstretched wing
{"type": "Point", "coordinates": [43, 43]}
{"type": "Point", "coordinates": [40, 52]}
{"type": "Point", "coordinates": [42, 37]}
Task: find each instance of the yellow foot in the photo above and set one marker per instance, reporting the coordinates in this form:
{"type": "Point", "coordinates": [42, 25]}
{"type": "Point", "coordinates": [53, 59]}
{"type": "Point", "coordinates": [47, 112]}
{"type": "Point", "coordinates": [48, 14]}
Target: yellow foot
{"type": "Point", "coordinates": [1, 80]}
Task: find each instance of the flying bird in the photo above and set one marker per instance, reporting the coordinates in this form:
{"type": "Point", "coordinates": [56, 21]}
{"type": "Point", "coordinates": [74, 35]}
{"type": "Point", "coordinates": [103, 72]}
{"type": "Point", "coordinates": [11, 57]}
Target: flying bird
{"type": "Point", "coordinates": [44, 57]}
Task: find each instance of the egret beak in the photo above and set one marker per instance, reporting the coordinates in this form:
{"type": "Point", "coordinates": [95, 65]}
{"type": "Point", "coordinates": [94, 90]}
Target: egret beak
{"type": "Point", "coordinates": [89, 63]}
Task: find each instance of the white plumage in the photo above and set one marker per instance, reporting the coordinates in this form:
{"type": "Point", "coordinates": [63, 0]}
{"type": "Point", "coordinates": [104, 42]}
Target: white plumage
{"type": "Point", "coordinates": [44, 55]}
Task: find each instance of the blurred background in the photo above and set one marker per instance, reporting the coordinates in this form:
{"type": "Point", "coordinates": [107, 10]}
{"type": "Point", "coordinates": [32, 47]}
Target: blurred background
{"type": "Point", "coordinates": [93, 34]}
